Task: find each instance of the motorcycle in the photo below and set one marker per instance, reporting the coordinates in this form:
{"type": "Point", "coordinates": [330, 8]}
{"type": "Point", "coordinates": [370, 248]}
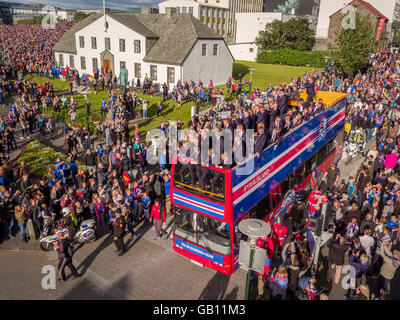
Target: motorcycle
{"type": "Point", "coordinates": [350, 150]}
{"type": "Point", "coordinates": [86, 234]}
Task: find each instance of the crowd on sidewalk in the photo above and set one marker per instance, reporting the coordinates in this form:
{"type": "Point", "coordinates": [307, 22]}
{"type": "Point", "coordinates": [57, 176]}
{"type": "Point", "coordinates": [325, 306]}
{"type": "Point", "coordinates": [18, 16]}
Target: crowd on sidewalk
{"type": "Point", "coordinates": [365, 208]}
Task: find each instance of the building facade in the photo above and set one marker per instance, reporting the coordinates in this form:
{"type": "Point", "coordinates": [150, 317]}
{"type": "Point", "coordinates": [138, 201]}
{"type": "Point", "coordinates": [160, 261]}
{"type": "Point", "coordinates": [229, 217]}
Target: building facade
{"type": "Point", "coordinates": [387, 8]}
{"type": "Point", "coordinates": [164, 47]}
{"type": "Point", "coordinates": [248, 27]}
{"type": "Point", "coordinates": [5, 13]}
{"type": "Point", "coordinates": [27, 12]}
{"type": "Point", "coordinates": [218, 15]}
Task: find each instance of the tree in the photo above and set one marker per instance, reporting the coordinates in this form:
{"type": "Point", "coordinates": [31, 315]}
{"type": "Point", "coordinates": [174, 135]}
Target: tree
{"type": "Point", "coordinates": [396, 28]}
{"type": "Point", "coordinates": [36, 20]}
{"type": "Point", "coordinates": [294, 34]}
{"type": "Point", "coordinates": [352, 47]}
{"type": "Point", "coordinates": [79, 15]}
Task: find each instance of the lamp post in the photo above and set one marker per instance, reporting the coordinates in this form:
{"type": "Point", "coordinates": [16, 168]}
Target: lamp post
{"type": "Point", "coordinates": [251, 78]}
{"type": "Point", "coordinates": [254, 229]}
{"type": "Point", "coordinates": [87, 118]}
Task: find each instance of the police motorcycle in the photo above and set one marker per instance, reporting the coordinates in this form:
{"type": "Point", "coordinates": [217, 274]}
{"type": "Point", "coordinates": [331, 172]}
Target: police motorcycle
{"type": "Point", "coordinates": [85, 234]}
{"type": "Point", "coordinates": [353, 146]}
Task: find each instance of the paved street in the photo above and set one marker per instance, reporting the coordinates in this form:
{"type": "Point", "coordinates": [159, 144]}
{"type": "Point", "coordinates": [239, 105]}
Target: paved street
{"type": "Point", "coordinates": [21, 278]}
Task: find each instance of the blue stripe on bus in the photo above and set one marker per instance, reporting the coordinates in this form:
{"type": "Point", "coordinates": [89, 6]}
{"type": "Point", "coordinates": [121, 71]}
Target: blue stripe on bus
{"type": "Point", "coordinates": [193, 198]}
{"type": "Point", "coordinates": [197, 208]}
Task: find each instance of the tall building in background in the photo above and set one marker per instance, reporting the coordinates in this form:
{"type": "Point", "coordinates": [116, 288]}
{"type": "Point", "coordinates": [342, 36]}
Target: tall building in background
{"type": "Point", "coordinates": [5, 13]}
{"type": "Point", "coordinates": [294, 7]}
{"type": "Point", "coordinates": [219, 15]}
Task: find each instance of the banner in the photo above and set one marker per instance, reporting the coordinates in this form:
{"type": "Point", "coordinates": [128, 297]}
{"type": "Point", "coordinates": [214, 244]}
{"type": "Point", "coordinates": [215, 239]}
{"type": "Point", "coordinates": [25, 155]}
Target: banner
{"type": "Point", "coordinates": [380, 27]}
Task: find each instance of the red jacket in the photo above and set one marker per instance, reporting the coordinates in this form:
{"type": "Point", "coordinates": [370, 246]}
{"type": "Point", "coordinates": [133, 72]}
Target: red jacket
{"type": "Point", "coordinates": [268, 245]}
{"type": "Point", "coordinates": [155, 212]}
{"type": "Point", "coordinates": [279, 233]}
{"type": "Point", "coordinates": [313, 201]}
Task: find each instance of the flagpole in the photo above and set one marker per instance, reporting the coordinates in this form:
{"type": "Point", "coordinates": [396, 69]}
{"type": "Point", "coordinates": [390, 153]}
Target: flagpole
{"type": "Point", "coordinates": [105, 19]}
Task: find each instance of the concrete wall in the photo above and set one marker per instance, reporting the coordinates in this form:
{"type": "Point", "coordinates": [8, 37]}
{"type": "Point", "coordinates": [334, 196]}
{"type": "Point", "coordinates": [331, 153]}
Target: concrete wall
{"type": "Point", "coordinates": [216, 68]}
{"type": "Point", "coordinates": [241, 51]}
{"type": "Point", "coordinates": [248, 25]}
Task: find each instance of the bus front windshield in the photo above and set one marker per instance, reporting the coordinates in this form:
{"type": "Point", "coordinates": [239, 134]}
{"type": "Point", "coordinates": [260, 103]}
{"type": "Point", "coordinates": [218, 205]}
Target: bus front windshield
{"type": "Point", "coordinates": [207, 232]}
{"type": "Point", "coordinates": [200, 180]}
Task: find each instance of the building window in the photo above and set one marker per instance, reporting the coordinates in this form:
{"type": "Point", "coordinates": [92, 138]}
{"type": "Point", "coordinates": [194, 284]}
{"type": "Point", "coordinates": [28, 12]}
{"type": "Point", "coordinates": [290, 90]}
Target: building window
{"type": "Point", "coordinates": [94, 43]}
{"type": "Point", "coordinates": [95, 63]}
{"type": "Point", "coordinates": [184, 9]}
{"type": "Point", "coordinates": [215, 49]}
{"type": "Point", "coordinates": [61, 60]}
{"type": "Point", "coordinates": [178, 9]}
{"type": "Point", "coordinates": [107, 43]}
{"type": "Point", "coordinates": [136, 45]}
{"type": "Point", "coordinates": [191, 10]}
{"type": "Point", "coordinates": [122, 64]}
{"type": "Point", "coordinates": [138, 70]}
{"type": "Point", "coordinates": [121, 45]}
{"type": "Point", "coordinates": [71, 62]}
{"type": "Point", "coordinates": [203, 50]}
{"type": "Point", "coordinates": [153, 72]}
{"type": "Point", "coordinates": [251, 49]}
{"type": "Point", "coordinates": [83, 63]}
{"type": "Point", "coordinates": [171, 75]}
{"type": "Point", "coordinates": [81, 42]}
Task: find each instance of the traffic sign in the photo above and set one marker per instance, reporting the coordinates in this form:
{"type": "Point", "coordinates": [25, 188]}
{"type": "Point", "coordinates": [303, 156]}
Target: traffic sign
{"type": "Point", "coordinates": [125, 177]}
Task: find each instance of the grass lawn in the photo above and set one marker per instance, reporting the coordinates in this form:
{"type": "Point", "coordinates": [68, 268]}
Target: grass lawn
{"type": "Point", "coordinates": [266, 74]}
{"type": "Point", "coordinates": [57, 83]}
{"type": "Point", "coordinates": [263, 76]}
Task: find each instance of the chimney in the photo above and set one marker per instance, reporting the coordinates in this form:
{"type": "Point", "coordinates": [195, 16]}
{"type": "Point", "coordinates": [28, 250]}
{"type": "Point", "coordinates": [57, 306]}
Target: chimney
{"type": "Point", "coordinates": [168, 12]}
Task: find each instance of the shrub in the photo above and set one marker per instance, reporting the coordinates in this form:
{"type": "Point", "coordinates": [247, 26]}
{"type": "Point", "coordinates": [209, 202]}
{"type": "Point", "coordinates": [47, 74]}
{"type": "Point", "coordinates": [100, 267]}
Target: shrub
{"type": "Point", "coordinates": [293, 57]}
{"type": "Point", "coordinates": [39, 158]}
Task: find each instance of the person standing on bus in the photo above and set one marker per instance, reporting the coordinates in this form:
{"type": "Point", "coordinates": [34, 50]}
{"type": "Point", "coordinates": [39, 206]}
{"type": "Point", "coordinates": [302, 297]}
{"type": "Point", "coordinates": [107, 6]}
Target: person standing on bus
{"type": "Point", "coordinates": [261, 140]}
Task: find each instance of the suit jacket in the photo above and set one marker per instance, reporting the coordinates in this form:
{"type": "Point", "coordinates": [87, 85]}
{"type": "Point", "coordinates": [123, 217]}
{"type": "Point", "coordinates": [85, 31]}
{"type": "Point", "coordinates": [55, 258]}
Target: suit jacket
{"type": "Point", "coordinates": [261, 142]}
{"type": "Point", "coordinates": [273, 126]}
{"type": "Point", "coordinates": [283, 104]}
{"type": "Point", "coordinates": [248, 123]}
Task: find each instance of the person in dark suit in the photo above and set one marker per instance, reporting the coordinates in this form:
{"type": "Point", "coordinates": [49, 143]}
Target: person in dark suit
{"type": "Point", "coordinates": [276, 137]}
{"type": "Point", "coordinates": [247, 121]}
{"type": "Point", "coordinates": [276, 124]}
{"type": "Point", "coordinates": [309, 85]}
{"type": "Point", "coordinates": [283, 103]}
{"type": "Point", "coordinates": [261, 140]}
{"type": "Point", "coordinates": [273, 113]}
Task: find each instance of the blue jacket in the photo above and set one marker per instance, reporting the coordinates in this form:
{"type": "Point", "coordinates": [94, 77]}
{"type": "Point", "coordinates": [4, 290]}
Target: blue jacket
{"type": "Point", "coordinates": [358, 265]}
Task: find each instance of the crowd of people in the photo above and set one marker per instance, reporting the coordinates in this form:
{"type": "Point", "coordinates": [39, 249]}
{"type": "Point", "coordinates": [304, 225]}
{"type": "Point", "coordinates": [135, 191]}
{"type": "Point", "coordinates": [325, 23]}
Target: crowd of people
{"type": "Point", "coordinates": [364, 209]}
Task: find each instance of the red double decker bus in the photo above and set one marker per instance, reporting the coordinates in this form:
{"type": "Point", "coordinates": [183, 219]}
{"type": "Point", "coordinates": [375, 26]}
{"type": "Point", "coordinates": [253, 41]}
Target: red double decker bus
{"type": "Point", "coordinates": [206, 221]}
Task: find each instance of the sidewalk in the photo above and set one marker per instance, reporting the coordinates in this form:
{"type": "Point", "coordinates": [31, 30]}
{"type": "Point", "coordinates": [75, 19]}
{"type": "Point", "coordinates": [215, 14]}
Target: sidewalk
{"type": "Point", "coordinates": [152, 270]}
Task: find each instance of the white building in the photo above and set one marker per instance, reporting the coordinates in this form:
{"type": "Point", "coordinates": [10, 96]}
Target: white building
{"type": "Point", "coordinates": [166, 47]}
{"type": "Point", "coordinates": [27, 11]}
{"type": "Point", "coordinates": [328, 7]}
{"type": "Point", "coordinates": [218, 15]}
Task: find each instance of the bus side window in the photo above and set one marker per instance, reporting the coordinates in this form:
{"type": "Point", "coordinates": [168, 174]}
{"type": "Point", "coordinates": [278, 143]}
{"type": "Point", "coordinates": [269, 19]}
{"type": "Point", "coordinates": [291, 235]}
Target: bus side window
{"type": "Point", "coordinates": [237, 236]}
{"type": "Point", "coordinates": [309, 165]}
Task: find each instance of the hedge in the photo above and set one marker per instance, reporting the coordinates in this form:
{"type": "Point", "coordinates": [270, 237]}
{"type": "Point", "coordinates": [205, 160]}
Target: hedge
{"type": "Point", "coordinates": [39, 158]}
{"type": "Point", "coordinates": [293, 57]}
